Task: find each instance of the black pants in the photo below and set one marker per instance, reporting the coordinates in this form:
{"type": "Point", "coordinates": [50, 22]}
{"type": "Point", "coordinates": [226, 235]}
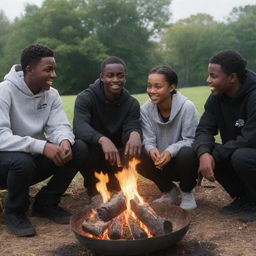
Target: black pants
{"type": "Point", "coordinates": [238, 174]}
{"type": "Point", "coordinates": [20, 170]}
{"type": "Point", "coordinates": [96, 163]}
{"type": "Point", "coordinates": [183, 168]}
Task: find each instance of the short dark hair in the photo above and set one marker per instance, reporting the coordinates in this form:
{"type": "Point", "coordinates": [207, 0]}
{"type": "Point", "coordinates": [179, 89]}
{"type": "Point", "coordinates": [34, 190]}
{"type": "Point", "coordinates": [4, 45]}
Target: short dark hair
{"type": "Point", "coordinates": [33, 53]}
{"type": "Point", "coordinates": [230, 61]}
{"type": "Point", "coordinates": [170, 75]}
{"type": "Point", "coordinates": [111, 60]}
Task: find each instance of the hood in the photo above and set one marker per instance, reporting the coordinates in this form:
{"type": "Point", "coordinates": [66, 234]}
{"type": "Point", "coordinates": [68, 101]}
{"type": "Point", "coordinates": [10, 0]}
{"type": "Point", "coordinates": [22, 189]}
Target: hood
{"type": "Point", "coordinates": [16, 77]}
{"type": "Point", "coordinates": [247, 86]}
{"type": "Point", "coordinates": [178, 101]}
{"type": "Point", "coordinates": [97, 89]}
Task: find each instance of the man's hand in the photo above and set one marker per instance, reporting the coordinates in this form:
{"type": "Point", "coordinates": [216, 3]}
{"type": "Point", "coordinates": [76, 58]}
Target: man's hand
{"type": "Point", "coordinates": [53, 152]}
{"type": "Point", "coordinates": [66, 151]}
{"type": "Point", "coordinates": [206, 166]}
{"type": "Point", "coordinates": [164, 158]}
{"type": "Point", "coordinates": [133, 145]}
{"type": "Point", "coordinates": [110, 151]}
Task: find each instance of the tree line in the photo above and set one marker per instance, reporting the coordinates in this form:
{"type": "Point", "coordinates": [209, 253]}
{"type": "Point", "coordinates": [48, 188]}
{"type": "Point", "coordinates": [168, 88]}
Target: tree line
{"type": "Point", "coordinates": [84, 32]}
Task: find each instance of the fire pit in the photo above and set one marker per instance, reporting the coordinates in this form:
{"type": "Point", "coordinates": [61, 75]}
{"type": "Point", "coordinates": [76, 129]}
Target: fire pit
{"type": "Point", "coordinates": [179, 217]}
{"type": "Point", "coordinates": [125, 224]}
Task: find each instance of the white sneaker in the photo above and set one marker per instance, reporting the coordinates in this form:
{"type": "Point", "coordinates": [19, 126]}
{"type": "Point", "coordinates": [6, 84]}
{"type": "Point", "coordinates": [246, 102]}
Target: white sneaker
{"type": "Point", "coordinates": [188, 201]}
{"type": "Point", "coordinates": [169, 197]}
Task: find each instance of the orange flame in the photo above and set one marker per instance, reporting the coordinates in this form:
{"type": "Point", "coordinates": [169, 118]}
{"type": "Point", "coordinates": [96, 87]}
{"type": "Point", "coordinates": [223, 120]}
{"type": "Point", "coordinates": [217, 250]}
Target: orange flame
{"type": "Point", "coordinates": [101, 186]}
{"type": "Point", "coordinates": [127, 178]}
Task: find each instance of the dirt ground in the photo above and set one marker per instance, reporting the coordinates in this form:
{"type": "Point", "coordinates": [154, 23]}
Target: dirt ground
{"type": "Point", "coordinates": [210, 233]}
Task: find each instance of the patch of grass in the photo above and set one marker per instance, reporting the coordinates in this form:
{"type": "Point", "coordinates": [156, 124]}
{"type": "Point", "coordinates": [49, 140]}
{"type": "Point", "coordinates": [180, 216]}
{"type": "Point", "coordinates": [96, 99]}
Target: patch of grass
{"type": "Point", "coordinates": [68, 106]}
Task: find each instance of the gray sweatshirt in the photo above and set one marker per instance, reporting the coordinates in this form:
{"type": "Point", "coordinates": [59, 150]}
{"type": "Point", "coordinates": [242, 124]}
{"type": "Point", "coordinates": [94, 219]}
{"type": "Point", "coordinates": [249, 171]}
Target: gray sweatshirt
{"type": "Point", "coordinates": [177, 132]}
{"type": "Point", "coordinates": [27, 120]}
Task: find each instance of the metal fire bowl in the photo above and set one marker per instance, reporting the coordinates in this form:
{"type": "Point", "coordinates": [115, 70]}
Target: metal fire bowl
{"type": "Point", "coordinates": [179, 218]}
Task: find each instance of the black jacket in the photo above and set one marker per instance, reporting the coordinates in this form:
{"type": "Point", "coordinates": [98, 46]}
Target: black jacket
{"type": "Point", "coordinates": [95, 116]}
{"type": "Point", "coordinates": [234, 118]}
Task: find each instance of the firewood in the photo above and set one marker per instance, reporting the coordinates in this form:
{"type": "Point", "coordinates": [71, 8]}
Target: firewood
{"type": "Point", "coordinates": [95, 225]}
{"type": "Point", "coordinates": [148, 217]}
{"type": "Point", "coordinates": [96, 228]}
{"type": "Point", "coordinates": [115, 229]}
{"type": "Point", "coordinates": [137, 231]}
{"type": "Point", "coordinates": [112, 208]}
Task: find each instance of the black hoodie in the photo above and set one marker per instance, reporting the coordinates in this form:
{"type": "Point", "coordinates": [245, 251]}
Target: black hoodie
{"type": "Point", "coordinates": [95, 116]}
{"type": "Point", "coordinates": [234, 118]}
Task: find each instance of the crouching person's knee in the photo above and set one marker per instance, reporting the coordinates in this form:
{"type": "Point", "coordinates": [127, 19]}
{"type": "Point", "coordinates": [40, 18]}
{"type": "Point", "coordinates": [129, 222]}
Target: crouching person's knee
{"type": "Point", "coordinates": [22, 164]}
{"type": "Point", "coordinates": [242, 159]}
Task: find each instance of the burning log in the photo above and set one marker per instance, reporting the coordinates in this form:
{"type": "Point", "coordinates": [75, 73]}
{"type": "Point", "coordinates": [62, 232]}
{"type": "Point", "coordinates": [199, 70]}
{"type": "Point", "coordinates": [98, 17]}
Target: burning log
{"type": "Point", "coordinates": [112, 208]}
{"type": "Point", "coordinates": [95, 226]}
{"type": "Point", "coordinates": [147, 216]}
{"type": "Point", "coordinates": [136, 230]}
{"type": "Point", "coordinates": [115, 229]}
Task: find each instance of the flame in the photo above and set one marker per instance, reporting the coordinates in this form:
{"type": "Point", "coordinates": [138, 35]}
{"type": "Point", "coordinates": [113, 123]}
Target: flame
{"type": "Point", "coordinates": [127, 178]}
{"type": "Point", "coordinates": [101, 186]}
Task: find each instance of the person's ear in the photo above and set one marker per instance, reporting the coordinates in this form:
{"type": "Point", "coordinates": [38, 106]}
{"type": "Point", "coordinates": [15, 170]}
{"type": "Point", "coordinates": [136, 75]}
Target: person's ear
{"type": "Point", "coordinates": [29, 69]}
{"type": "Point", "coordinates": [233, 77]}
{"type": "Point", "coordinates": [172, 87]}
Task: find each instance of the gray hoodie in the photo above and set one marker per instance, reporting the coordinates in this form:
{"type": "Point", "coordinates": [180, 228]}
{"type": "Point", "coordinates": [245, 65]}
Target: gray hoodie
{"type": "Point", "coordinates": [177, 132]}
{"type": "Point", "coordinates": [27, 120]}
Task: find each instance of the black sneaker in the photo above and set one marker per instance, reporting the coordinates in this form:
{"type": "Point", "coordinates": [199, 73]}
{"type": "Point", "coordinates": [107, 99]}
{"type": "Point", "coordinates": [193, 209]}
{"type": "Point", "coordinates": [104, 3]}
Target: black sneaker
{"type": "Point", "coordinates": [19, 224]}
{"type": "Point", "coordinates": [236, 206]}
{"type": "Point", "coordinates": [55, 213]}
{"type": "Point", "coordinates": [249, 213]}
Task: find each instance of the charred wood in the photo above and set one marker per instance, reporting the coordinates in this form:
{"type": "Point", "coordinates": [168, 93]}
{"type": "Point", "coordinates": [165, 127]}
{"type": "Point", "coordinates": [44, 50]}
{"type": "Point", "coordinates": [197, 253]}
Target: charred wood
{"type": "Point", "coordinates": [95, 225]}
{"type": "Point", "coordinates": [115, 229]}
{"type": "Point", "coordinates": [148, 217]}
{"type": "Point", "coordinates": [136, 230]}
{"type": "Point", "coordinates": [112, 208]}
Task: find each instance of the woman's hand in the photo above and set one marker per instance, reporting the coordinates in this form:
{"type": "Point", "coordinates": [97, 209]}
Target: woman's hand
{"type": "Point", "coordinates": [164, 158]}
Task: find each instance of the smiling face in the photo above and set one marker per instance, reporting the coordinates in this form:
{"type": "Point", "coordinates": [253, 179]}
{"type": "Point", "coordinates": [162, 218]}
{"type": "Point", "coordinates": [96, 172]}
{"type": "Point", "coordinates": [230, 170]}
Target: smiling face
{"type": "Point", "coordinates": [158, 89]}
{"type": "Point", "coordinates": [40, 76]}
{"type": "Point", "coordinates": [220, 82]}
{"type": "Point", "coordinates": [113, 78]}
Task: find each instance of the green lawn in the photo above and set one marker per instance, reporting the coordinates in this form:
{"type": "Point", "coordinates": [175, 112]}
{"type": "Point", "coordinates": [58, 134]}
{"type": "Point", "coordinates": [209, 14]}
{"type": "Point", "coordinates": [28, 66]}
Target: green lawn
{"type": "Point", "coordinates": [196, 94]}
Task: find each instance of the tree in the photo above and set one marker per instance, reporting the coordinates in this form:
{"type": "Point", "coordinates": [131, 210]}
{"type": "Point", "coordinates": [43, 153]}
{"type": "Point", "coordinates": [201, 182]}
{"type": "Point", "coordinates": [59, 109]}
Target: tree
{"type": "Point", "coordinates": [124, 27]}
{"type": "Point", "coordinates": [84, 32]}
{"type": "Point", "coordinates": [190, 42]}
{"type": "Point", "coordinates": [242, 23]}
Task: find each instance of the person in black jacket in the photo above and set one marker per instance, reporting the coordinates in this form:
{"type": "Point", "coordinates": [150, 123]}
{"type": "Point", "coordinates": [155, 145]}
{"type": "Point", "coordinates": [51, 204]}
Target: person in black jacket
{"type": "Point", "coordinates": [107, 118]}
{"type": "Point", "coordinates": [231, 111]}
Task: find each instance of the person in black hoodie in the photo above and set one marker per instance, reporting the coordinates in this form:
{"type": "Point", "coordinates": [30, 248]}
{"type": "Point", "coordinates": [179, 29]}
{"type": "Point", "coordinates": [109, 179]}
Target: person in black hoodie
{"type": "Point", "coordinates": [107, 118]}
{"type": "Point", "coordinates": [231, 111]}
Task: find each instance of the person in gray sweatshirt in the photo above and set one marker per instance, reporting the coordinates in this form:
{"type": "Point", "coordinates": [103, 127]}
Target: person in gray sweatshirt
{"type": "Point", "coordinates": [169, 121]}
{"type": "Point", "coordinates": [36, 141]}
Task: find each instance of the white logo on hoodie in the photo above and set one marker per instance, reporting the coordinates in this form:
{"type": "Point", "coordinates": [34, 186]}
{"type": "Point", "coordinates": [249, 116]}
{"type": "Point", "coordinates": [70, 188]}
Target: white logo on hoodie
{"type": "Point", "coordinates": [239, 123]}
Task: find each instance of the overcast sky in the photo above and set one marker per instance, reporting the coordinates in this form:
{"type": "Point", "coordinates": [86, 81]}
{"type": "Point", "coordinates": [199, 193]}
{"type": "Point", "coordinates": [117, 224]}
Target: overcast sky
{"type": "Point", "coordinates": [180, 9]}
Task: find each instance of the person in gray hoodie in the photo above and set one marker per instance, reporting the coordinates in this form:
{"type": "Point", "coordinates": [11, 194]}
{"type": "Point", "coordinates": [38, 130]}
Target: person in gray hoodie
{"type": "Point", "coordinates": [36, 141]}
{"type": "Point", "coordinates": [169, 121]}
